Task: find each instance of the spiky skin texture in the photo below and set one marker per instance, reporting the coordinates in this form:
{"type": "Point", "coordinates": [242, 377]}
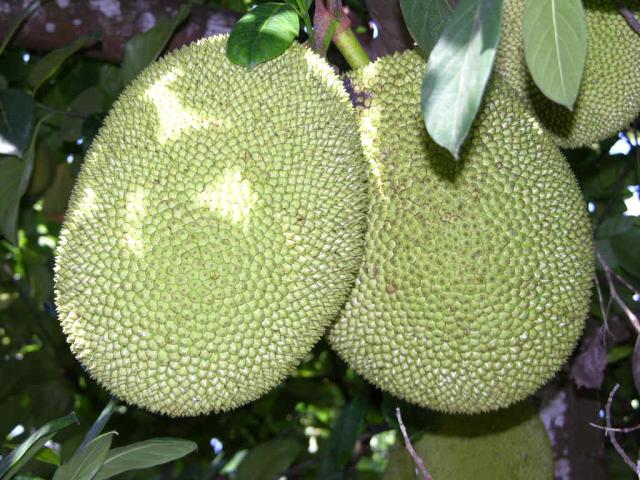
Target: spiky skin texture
{"type": "Point", "coordinates": [609, 97]}
{"type": "Point", "coordinates": [477, 274]}
{"type": "Point", "coordinates": [215, 230]}
{"type": "Point", "coordinates": [509, 444]}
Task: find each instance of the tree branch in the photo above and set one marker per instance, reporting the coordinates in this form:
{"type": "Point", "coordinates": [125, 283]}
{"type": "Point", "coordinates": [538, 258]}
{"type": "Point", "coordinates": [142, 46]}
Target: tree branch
{"type": "Point", "coordinates": [611, 433]}
{"type": "Point", "coordinates": [53, 26]}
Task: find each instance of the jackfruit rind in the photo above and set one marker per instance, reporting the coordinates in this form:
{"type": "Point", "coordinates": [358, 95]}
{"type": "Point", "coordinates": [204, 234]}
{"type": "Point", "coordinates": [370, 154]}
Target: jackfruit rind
{"type": "Point", "coordinates": [609, 97]}
{"type": "Point", "coordinates": [509, 444]}
{"type": "Point", "coordinates": [215, 230]}
{"type": "Point", "coordinates": [477, 274]}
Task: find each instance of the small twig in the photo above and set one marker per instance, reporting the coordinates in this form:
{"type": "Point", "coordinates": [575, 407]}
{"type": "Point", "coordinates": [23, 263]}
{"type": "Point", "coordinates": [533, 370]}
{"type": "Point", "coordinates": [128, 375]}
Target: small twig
{"type": "Point", "coordinates": [633, 318]}
{"type": "Point", "coordinates": [629, 16]}
{"type": "Point", "coordinates": [68, 113]}
{"type": "Point", "coordinates": [613, 429]}
{"type": "Point", "coordinates": [603, 310]}
{"type": "Point", "coordinates": [625, 282]}
{"type": "Point", "coordinates": [611, 433]}
{"type": "Point", "coordinates": [407, 442]}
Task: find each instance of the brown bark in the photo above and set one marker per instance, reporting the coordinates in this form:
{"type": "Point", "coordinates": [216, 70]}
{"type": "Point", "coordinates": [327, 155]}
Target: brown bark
{"type": "Point", "coordinates": [57, 23]}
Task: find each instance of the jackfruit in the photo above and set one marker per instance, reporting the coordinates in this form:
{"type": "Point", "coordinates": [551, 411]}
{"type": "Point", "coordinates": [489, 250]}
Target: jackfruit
{"type": "Point", "coordinates": [609, 97]}
{"type": "Point", "coordinates": [477, 274]}
{"type": "Point", "coordinates": [215, 230]}
{"type": "Point", "coordinates": [505, 445]}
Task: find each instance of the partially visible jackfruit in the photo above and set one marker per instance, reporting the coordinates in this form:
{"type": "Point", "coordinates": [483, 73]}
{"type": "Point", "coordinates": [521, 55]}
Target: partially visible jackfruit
{"type": "Point", "coordinates": [609, 97]}
{"type": "Point", "coordinates": [477, 274]}
{"type": "Point", "coordinates": [215, 230]}
{"type": "Point", "coordinates": [510, 444]}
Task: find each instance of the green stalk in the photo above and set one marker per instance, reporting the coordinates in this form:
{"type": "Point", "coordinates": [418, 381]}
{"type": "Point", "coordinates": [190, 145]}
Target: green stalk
{"type": "Point", "coordinates": [351, 49]}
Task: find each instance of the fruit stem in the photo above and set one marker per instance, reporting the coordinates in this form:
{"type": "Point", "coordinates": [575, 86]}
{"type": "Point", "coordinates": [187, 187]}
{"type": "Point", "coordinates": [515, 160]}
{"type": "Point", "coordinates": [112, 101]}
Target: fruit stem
{"type": "Point", "coordinates": [350, 48]}
{"type": "Point", "coordinates": [331, 22]}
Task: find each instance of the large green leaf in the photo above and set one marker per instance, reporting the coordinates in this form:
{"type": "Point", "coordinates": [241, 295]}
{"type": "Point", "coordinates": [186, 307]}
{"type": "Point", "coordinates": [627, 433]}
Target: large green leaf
{"type": "Point", "coordinates": [268, 460]}
{"type": "Point", "coordinates": [87, 461]}
{"type": "Point", "coordinates": [13, 462]}
{"type": "Point", "coordinates": [262, 34]}
{"type": "Point", "coordinates": [144, 455]}
{"type": "Point", "coordinates": [145, 47]}
{"type": "Point", "coordinates": [555, 47]}
{"type": "Point", "coordinates": [17, 113]}
{"type": "Point", "coordinates": [426, 20]}
{"type": "Point", "coordinates": [458, 70]}
{"type": "Point", "coordinates": [49, 65]}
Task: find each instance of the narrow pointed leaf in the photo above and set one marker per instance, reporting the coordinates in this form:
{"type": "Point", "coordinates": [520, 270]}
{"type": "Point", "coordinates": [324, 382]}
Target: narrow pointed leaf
{"type": "Point", "coordinates": [49, 65]}
{"type": "Point", "coordinates": [86, 462]}
{"type": "Point", "coordinates": [144, 48]}
{"type": "Point", "coordinates": [13, 462]}
{"type": "Point", "coordinates": [13, 27]}
{"type": "Point", "coordinates": [555, 47]}
{"type": "Point", "coordinates": [144, 455]}
{"type": "Point", "coordinates": [346, 430]}
{"type": "Point", "coordinates": [262, 34]}
{"type": "Point", "coordinates": [426, 20]}
{"type": "Point", "coordinates": [99, 424]}
{"type": "Point", "coordinates": [458, 70]}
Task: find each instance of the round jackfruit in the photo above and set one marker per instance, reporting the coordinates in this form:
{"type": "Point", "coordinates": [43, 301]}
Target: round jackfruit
{"type": "Point", "coordinates": [215, 230]}
{"type": "Point", "coordinates": [509, 444]}
{"type": "Point", "coordinates": [609, 97]}
{"type": "Point", "coordinates": [477, 274]}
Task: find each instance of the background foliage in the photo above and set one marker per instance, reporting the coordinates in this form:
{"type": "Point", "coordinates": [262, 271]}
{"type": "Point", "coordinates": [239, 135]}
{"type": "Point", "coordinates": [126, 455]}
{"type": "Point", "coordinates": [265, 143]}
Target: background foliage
{"type": "Point", "coordinates": [323, 422]}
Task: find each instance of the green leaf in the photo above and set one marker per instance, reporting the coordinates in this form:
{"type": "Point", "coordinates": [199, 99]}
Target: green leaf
{"type": "Point", "coordinates": [555, 47]}
{"type": "Point", "coordinates": [144, 455]}
{"type": "Point", "coordinates": [628, 256]}
{"type": "Point", "coordinates": [262, 34]}
{"type": "Point", "coordinates": [346, 430]}
{"type": "Point", "coordinates": [45, 455]}
{"type": "Point", "coordinates": [13, 28]}
{"type": "Point", "coordinates": [110, 81]}
{"type": "Point", "coordinates": [144, 48]}
{"type": "Point", "coordinates": [49, 65]}
{"type": "Point", "coordinates": [619, 352]}
{"type": "Point", "coordinates": [17, 114]}
{"type": "Point", "coordinates": [13, 462]}
{"type": "Point", "coordinates": [14, 181]}
{"type": "Point", "coordinates": [87, 461]}
{"type": "Point", "coordinates": [269, 459]}
{"type": "Point", "coordinates": [458, 70]}
{"type": "Point", "coordinates": [426, 20]}
{"type": "Point", "coordinates": [99, 424]}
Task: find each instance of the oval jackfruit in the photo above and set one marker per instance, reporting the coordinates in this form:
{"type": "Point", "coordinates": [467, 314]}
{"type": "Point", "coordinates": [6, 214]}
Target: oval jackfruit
{"type": "Point", "coordinates": [477, 274]}
{"type": "Point", "coordinates": [609, 97]}
{"type": "Point", "coordinates": [215, 230]}
{"type": "Point", "coordinates": [510, 444]}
